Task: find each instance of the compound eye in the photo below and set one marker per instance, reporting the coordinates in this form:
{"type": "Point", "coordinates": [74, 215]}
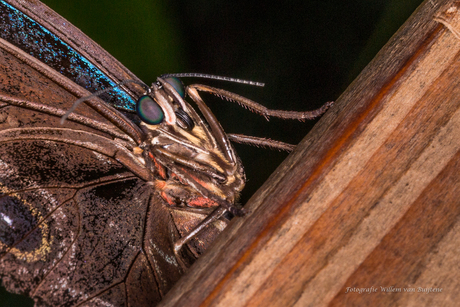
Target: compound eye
{"type": "Point", "coordinates": [149, 111]}
{"type": "Point", "coordinates": [177, 84]}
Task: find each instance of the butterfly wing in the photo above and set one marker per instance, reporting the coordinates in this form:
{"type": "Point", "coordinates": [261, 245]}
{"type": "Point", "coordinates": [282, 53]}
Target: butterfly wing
{"type": "Point", "coordinates": [73, 225]}
{"type": "Point", "coordinates": [78, 221]}
{"type": "Point", "coordinates": [44, 34]}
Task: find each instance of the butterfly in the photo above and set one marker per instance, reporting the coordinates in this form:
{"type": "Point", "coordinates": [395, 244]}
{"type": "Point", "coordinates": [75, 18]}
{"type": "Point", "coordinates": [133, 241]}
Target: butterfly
{"type": "Point", "coordinates": [111, 205]}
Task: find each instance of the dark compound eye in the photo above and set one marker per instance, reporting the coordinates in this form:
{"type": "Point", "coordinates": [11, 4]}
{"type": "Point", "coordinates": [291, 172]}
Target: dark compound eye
{"type": "Point", "coordinates": [149, 111]}
{"type": "Point", "coordinates": [176, 83]}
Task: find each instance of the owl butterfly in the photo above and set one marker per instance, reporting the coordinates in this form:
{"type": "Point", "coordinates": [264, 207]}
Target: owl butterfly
{"type": "Point", "coordinates": [111, 207]}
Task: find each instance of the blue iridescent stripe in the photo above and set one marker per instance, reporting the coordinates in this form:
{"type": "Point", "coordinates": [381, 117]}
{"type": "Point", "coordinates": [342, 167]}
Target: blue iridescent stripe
{"type": "Point", "coordinates": [25, 33]}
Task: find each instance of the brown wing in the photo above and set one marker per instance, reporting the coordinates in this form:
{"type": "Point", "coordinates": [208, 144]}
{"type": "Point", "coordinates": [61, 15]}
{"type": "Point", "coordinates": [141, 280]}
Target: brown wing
{"type": "Point", "coordinates": [78, 222]}
{"type": "Point", "coordinates": [73, 212]}
{"type": "Point", "coordinates": [73, 224]}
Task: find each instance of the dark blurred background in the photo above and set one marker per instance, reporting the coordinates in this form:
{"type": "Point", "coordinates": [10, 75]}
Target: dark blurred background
{"type": "Point", "coordinates": [307, 52]}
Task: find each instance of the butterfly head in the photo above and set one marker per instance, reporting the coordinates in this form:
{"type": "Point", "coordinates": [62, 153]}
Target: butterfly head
{"type": "Point", "coordinates": [197, 155]}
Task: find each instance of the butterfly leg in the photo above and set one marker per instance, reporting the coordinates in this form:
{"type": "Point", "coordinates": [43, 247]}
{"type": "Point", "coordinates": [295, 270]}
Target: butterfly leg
{"type": "Point", "coordinates": [260, 109]}
{"type": "Point", "coordinates": [263, 142]}
{"type": "Point", "coordinates": [214, 216]}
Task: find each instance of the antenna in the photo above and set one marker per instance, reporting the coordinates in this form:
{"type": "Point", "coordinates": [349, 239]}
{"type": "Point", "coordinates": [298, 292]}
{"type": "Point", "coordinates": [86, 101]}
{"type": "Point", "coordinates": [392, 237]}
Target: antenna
{"type": "Point", "coordinates": [214, 77]}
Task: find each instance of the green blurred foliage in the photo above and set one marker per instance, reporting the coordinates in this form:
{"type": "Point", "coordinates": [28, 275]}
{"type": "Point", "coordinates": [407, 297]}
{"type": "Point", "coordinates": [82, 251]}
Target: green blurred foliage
{"type": "Point", "coordinates": [307, 52]}
{"type": "Point", "coordinates": [143, 35]}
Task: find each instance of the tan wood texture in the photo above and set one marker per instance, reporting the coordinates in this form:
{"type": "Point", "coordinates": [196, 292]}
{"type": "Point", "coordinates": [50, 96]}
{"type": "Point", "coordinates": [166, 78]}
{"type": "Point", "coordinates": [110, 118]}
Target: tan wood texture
{"type": "Point", "coordinates": [368, 202]}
